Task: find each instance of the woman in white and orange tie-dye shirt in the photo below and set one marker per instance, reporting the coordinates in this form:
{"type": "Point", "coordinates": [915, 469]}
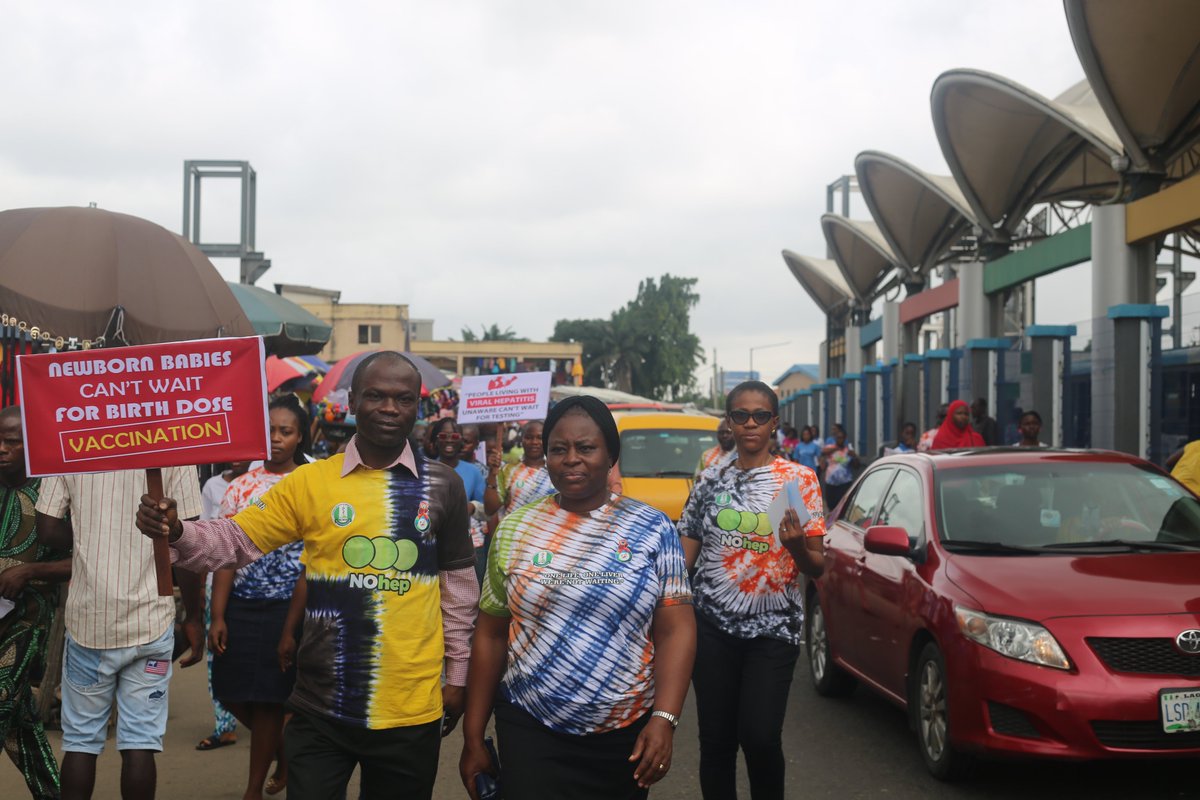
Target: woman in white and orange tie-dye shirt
{"type": "Point", "coordinates": [748, 596]}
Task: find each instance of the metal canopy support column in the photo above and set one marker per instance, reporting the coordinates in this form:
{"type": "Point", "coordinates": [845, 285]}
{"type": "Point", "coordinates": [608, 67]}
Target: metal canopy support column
{"type": "Point", "coordinates": [818, 408]}
{"type": "Point", "coordinates": [804, 415]}
{"type": "Point", "coordinates": [872, 414]}
{"type": "Point", "coordinates": [889, 395]}
{"type": "Point", "coordinates": [912, 398]}
{"type": "Point", "coordinates": [852, 417]}
{"type": "Point", "coordinates": [974, 309]}
{"type": "Point", "coordinates": [835, 406]}
{"type": "Point", "coordinates": [954, 374]}
{"type": "Point", "coordinates": [854, 354]}
{"type": "Point", "coordinates": [1051, 351]}
{"type": "Point", "coordinates": [1137, 402]}
{"type": "Point", "coordinates": [1122, 274]}
{"type": "Point", "coordinates": [890, 319]}
{"type": "Point", "coordinates": [937, 377]}
{"type": "Point", "coordinates": [985, 364]}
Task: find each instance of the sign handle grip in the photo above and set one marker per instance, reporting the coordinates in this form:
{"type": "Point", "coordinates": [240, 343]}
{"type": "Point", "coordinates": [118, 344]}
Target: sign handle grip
{"type": "Point", "coordinates": [162, 551]}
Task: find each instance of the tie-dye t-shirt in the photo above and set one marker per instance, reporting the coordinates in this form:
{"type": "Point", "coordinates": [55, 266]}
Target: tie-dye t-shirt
{"type": "Point", "coordinates": [746, 582]}
{"type": "Point", "coordinates": [272, 577]}
{"type": "Point", "coordinates": [714, 455]}
{"type": "Point", "coordinates": [519, 484]}
{"type": "Point", "coordinates": [374, 542]}
{"type": "Point", "coordinates": [581, 591]}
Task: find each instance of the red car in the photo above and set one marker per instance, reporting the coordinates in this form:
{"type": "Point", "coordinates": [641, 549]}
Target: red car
{"type": "Point", "coordinates": [1016, 602]}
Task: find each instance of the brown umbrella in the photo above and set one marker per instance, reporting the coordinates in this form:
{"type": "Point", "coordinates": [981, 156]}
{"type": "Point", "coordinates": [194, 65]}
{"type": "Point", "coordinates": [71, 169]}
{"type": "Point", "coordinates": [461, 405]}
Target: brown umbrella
{"type": "Point", "coordinates": [106, 279]}
{"type": "Point", "coordinates": [86, 273]}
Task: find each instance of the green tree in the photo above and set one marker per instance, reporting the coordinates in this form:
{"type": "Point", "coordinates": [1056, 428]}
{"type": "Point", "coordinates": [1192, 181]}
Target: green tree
{"type": "Point", "coordinates": [646, 346]}
{"type": "Point", "coordinates": [491, 334]}
{"type": "Point", "coordinates": [595, 335]}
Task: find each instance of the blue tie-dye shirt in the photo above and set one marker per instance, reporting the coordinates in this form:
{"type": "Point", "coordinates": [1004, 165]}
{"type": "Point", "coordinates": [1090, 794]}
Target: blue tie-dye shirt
{"type": "Point", "coordinates": [272, 577]}
{"type": "Point", "coordinates": [581, 591]}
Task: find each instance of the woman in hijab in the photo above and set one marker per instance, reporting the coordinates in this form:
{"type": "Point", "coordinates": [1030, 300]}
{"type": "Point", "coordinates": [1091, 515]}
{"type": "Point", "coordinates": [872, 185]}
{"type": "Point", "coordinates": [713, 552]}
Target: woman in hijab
{"type": "Point", "coordinates": [586, 635]}
{"type": "Point", "coordinates": [956, 431]}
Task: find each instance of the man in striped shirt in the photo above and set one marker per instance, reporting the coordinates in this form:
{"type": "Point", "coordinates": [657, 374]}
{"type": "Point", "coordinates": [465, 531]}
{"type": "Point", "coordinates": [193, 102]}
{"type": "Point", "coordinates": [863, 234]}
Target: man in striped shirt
{"type": "Point", "coordinates": [120, 632]}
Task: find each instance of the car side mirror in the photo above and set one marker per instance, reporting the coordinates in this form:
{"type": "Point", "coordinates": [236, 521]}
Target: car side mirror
{"type": "Point", "coordinates": [887, 540]}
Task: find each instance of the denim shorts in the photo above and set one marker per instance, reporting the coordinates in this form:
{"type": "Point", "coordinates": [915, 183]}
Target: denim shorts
{"type": "Point", "coordinates": [136, 677]}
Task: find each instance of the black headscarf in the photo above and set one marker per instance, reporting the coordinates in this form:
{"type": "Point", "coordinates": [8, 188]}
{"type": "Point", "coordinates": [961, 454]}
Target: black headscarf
{"type": "Point", "coordinates": [594, 408]}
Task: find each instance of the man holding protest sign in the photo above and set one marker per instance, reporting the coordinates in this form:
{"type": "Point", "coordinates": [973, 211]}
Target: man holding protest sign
{"type": "Point", "coordinates": [30, 574]}
{"type": "Point", "coordinates": [144, 414]}
{"type": "Point", "coordinates": [391, 592]}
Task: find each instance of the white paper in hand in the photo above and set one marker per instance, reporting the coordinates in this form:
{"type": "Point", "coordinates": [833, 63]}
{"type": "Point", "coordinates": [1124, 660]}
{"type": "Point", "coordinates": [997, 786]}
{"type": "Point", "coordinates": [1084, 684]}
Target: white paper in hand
{"type": "Point", "coordinates": [788, 497]}
{"type": "Point", "coordinates": [6, 606]}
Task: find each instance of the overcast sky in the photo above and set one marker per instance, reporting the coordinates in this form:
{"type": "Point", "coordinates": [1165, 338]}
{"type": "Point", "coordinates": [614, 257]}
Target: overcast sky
{"type": "Point", "coordinates": [505, 161]}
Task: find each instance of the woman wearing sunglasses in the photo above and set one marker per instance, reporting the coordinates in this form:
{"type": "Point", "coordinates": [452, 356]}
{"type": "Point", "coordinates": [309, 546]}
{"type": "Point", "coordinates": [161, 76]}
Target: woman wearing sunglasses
{"type": "Point", "coordinates": [748, 596]}
{"type": "Point", "coordinates": [447, 439]}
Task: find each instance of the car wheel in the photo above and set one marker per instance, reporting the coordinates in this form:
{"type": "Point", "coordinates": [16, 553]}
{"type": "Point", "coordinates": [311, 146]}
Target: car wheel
{"type": "Point", "coordinates": [828, 678]}
{"type": "Point", "coordinates": [931, 718]}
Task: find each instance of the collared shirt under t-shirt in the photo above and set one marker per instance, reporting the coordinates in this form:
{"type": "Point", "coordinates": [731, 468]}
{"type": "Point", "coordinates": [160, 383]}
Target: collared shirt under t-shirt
{"type": "Point", "coordinates": [375, 541]}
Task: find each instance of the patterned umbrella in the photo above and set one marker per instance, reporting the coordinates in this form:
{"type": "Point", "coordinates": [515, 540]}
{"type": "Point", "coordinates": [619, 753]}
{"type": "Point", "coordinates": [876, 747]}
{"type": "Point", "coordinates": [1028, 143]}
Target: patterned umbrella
{"type": "Point", "coordinates": [340, 374]}
{"type": "Point", "coordinates": [282, 370]}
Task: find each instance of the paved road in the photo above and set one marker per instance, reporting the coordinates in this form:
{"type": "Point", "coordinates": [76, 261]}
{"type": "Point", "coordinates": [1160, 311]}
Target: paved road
{"type": "Point", "coordinates": [859, 747]}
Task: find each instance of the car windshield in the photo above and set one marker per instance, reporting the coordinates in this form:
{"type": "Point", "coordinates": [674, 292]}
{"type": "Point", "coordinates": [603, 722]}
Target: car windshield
{"type": "Point", "coordinates": [1065, 506]}
{"type": "Point", "coordinates": [663, 453]}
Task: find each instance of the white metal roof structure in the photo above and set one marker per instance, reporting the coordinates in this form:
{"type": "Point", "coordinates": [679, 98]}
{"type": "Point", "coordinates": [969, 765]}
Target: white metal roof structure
{"type": "Point", "coordinates": [861, 252]}
{"type": "Point", "coordinates": [1009, 147]}
{"type": "Point", "coordinates": [1142, 60]}
{"type": "Point", "coordinates": [820, 278]}
{"type": "Point", "coordinates": [919, 214]}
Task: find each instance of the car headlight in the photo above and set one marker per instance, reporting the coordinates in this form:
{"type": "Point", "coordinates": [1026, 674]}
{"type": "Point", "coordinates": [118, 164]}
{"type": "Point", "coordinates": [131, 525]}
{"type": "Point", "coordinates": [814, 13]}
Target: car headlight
{"type": "Point", "coordinates": [1024, 641]}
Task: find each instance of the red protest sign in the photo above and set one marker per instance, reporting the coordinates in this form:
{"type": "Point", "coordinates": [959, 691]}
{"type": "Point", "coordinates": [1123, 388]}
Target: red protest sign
{"type": "Point", "coordinates": [162, 405]}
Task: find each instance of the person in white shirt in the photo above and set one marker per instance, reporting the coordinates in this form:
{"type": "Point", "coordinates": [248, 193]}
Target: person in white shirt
{"type": "Point", "coordinates": [120, 632]}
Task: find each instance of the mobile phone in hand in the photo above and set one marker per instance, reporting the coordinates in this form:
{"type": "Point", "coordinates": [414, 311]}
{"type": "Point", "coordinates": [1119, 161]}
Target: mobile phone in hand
{"type": "Point", "coordinates": [487, 787]}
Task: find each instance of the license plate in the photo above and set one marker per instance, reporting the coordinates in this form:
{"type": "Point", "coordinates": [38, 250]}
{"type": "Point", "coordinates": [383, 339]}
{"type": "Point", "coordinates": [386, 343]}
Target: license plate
{"type": "Point", "coordinates": [1180, 710]}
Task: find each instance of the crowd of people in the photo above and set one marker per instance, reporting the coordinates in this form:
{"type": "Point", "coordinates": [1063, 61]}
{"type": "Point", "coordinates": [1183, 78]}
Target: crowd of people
{"type": "Point", "coordinates": [356, 606]}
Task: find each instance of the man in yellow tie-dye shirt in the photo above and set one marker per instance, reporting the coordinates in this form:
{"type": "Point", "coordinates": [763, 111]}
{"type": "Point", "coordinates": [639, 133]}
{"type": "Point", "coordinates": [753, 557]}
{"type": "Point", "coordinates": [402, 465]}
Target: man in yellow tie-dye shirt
{"type": "Point", "coordinates": [391, 594]}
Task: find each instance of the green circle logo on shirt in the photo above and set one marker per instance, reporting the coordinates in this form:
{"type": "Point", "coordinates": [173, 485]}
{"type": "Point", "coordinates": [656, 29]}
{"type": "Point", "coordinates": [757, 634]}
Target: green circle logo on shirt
{"type": "Point", "coordinates": [381, 553]}
{"type": "Point", "coordinates": [723, 499]}
{"type": "Point", "coordinates": [343, 514]}
{"type": "Point", "coordinates": [542, 558]}
{"type": "Point", "coordinates": [728, 519]}
{"type": "Point", "coordinates": [358, 551]}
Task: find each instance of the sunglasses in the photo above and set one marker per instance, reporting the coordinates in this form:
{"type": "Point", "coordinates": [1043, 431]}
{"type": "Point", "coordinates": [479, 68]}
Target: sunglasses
{"type": "Point", "coordinates": [449, 437]}
{"type": "Point", "coordinates": [740, 417]}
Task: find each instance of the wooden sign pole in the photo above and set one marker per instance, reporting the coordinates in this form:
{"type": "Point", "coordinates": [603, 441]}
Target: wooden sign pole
{"type": "Point", "coordinates": [162, 551]}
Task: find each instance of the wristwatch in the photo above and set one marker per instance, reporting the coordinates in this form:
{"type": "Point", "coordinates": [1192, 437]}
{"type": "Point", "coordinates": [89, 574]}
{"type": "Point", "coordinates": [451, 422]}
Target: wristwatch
{"type": "Point", "coordinates": [671, 719]}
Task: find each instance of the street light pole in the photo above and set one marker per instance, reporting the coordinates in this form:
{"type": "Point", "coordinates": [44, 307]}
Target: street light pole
{"type": "Point", "coordinates": [762, 347]}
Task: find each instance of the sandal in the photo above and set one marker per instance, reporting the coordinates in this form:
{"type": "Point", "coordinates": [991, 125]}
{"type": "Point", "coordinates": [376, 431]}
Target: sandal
{"type": "Point", "coordinates": [215, 740]}
{"type": "Point", "coordinates": [275, 785]}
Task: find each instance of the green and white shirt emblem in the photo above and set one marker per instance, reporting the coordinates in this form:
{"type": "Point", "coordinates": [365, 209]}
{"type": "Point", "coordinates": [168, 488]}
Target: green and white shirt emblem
{"type": "Point", "coordinates": [343, 514]}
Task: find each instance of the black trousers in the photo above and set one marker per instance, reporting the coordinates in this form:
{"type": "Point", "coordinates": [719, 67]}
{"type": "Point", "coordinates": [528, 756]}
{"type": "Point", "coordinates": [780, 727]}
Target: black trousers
{"type": "Point", "coordinates": [741, 698]}
{"type": "Point", "coordinates": [537, 763]}
{"type": "Point", "coordinates": [397, 763]}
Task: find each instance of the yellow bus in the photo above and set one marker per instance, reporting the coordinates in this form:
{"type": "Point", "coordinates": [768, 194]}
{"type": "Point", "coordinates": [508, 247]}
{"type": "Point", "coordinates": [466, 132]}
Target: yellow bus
{"type": "Point", "coordinates": [659, 455]}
